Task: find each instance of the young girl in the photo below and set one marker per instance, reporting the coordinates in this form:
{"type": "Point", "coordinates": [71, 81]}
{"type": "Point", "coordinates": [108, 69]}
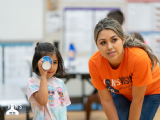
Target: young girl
{"type": "Point", "coordinates": [125, 73]}
{"type": "Point", "coordinates": [41, 90]}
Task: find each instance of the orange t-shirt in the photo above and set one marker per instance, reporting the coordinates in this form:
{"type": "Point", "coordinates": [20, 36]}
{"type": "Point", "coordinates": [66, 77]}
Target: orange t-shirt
{"type": "Point", "coordinates": [135, 69]}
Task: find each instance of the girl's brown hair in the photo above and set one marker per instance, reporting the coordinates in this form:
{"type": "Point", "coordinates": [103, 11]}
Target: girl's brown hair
{"type": "Point", "coordinates": [43, 49]}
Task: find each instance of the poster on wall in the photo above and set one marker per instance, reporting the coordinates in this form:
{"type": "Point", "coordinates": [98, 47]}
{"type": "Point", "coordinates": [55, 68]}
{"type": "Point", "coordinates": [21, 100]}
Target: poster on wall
{"type": "Point", "coordinates": [78, 27]}
{"type": "Point", "coordinates": [17, 66]}
{"type": "Point", "coordinates": [53, 22]}
{"type": "Point", "coordinates": [143, 16]}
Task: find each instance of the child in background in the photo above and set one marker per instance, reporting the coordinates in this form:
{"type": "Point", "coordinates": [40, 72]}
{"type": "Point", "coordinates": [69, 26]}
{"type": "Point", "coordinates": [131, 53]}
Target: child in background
{"type": "Point", "coordinates": [41, 90]}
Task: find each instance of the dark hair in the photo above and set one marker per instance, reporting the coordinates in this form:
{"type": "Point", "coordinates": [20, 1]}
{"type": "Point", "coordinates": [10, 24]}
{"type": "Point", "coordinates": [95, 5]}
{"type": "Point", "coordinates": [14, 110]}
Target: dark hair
{"type": "Point", "coordinates": [43, 49]}
{"type": "Point", "coordinates": [117, 15]}
{"type": "Point", "coordinates": [136, 35]}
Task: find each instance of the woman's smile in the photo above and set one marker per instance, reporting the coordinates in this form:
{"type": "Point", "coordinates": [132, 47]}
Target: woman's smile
{"type": "Point", "coordinates": [112, 53]}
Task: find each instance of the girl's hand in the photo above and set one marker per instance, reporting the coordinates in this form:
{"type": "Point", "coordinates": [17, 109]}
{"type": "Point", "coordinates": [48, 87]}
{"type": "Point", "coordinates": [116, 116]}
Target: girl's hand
{"type": "Point", "coordinates": [41, 70]}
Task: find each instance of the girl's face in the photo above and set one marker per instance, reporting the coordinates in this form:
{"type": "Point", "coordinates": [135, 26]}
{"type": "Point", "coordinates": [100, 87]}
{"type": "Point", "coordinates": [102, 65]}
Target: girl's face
{"type": "Point", "coordinates": [54, 66]}
{"type": "Point", "coordinates": [111, 47]}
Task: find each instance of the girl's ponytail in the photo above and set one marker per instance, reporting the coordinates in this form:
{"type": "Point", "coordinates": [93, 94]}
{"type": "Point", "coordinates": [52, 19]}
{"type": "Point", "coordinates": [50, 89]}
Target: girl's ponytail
{"type": "Point", "coordinates": [37, 46]}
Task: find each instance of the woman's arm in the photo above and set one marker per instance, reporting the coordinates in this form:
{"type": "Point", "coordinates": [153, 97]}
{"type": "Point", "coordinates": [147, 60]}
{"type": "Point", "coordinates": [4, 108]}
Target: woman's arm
{"type": "Point", "coordinates": [137, 102]}
{"type": "Point", "coordinates": [41, 96]}
{"type": "Point", "coordinates": [108, 104]}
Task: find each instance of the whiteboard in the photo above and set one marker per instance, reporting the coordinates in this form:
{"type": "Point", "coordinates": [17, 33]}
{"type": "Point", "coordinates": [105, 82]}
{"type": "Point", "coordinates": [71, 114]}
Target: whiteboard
{"type": "Point", "coordinates": [78, 28]}
{"type": "Point", "coordinates": [146, 16]}
{"type": "Point", "coordinates": [17, 70]}
{"type": "Point", "coordinates": [21, 20]}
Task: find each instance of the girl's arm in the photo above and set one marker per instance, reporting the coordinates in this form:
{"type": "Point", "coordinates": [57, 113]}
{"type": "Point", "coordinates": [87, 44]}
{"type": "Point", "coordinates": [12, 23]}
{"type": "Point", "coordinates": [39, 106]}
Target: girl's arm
{"type": "Point", "coordinates": [137, 102]}
{"type": "Point", "coordinates": [41, 96]}
{"type": "Point", "coordinates": [108, 104]}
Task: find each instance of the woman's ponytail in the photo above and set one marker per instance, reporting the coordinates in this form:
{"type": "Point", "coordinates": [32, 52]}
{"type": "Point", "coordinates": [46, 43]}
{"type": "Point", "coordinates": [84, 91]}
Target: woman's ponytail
{"type": "Point", "coordinates": [133, 42]}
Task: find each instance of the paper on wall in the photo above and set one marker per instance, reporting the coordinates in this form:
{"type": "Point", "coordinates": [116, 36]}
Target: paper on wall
{"type": "Point", "coordinates": [53, 22]}
{"type": "Point", "coordinates": [16, 67]}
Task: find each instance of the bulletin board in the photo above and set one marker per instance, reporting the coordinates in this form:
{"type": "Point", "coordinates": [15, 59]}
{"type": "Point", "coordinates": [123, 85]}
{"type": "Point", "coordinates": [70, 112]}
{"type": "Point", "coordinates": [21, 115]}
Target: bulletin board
{"type": "Point", "coordinates": [142, 15]}
{"type": "Point", "coordinates": [78, 27]}
{"type": "Point", "coordinates": [21, 20]}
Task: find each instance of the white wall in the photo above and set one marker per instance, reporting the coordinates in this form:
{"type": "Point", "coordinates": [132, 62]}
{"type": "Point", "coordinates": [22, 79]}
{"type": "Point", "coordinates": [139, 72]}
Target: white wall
{"type": "Point", "coordinates": [21, 20]}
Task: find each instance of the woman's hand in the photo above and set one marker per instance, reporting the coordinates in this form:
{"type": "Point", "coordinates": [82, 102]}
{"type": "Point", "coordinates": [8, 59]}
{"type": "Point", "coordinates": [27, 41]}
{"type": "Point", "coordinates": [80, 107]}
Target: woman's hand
{"type": "Point", "coordinates": [137, 102]}
{"type": "Point", "coordinates": [108, 104]}
{"type": "Point", "coordinates": [41, 70]}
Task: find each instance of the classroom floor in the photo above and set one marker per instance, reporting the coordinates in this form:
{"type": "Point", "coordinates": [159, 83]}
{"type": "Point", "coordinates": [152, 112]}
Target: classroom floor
{"type": "Point", "coordinates": [76, 115]}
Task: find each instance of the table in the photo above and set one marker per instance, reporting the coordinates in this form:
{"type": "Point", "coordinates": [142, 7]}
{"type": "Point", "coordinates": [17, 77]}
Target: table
{"type": "Point", "coordinates": [12, 94]}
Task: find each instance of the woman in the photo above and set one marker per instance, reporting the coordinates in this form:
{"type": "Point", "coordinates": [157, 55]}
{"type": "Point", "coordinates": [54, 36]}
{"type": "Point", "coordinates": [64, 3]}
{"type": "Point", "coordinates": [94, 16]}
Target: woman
{"type": "Point", "coordinates": [125, 73]}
